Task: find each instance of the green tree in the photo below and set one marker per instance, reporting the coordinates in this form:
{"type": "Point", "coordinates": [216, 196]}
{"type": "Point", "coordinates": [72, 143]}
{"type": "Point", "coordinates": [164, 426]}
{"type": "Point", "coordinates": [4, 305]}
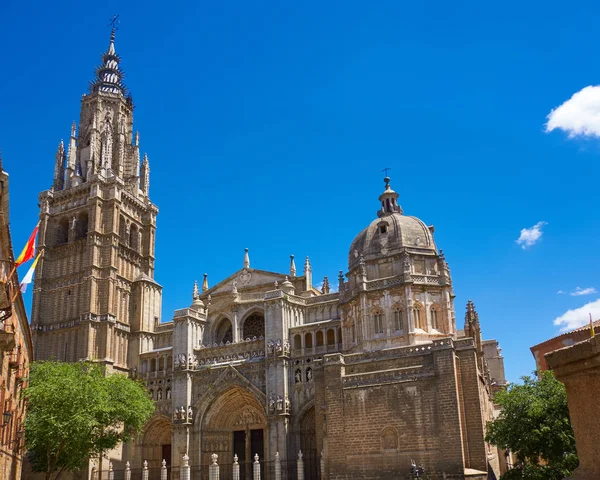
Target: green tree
{"type": "Point", "coordinates": [534, 425]}
{"type": "Point", "coordinates": [75, 411]}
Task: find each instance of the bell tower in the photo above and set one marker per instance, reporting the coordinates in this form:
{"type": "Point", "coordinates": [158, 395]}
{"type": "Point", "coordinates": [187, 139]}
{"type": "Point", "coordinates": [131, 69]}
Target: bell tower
{"type": "Point", "coordinates": [94, 295]}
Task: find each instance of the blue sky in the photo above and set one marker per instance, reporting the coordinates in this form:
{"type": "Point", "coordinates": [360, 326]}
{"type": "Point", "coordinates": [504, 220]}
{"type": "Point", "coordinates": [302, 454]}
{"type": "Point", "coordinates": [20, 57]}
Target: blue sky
{"type": "Point", "coordinates": [267, 125]}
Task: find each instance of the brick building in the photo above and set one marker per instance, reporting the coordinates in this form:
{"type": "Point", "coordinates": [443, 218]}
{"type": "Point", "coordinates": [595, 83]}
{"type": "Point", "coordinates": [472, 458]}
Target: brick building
{"type": "Point", "coordinates": [364, 379]}
{"type": "Point", "coordinates": [15, 349]}
{"type": "Point", "coordinates": [566, 339]}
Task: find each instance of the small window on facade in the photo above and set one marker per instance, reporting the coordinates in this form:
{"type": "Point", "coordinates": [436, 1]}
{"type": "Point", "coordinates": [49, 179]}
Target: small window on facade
{"type": "Point", "coordinates": [378, 318]}
{"type": "Point", "coordinates": [383, 229]}
{"type": "Point", "coordinates": [434, 318]}
{"type": "Point", "coordinates": [398, 320]}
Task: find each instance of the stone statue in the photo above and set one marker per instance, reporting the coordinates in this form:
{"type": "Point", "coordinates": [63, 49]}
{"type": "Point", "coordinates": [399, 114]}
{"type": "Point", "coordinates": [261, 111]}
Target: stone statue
{"type": "Point", "coordinates": [309, 374]}
{"type": "Point", "coordinates": [278, 347]}
{"type": "Point", "coordinates": [271, 404]}
{"type": "Point", "coordinates": [214, 457]}
{"type": "Point", "coordinates": [286, 347]}
{"type": "Point", "coordinates": [175, 415]}
{"type": "Point", "coordinates": [270, 347]}
{"type": "Point", "coordinates": [182, 413]}
{"type": "Point", "coordinates": [279, 403]}
{"type": "Point", "coordinates": [190, 413]}
{"type": "Point", "coordinates": [288, 405]}
{"type": "Point", "coordinates": [159, 394]}
{"type": "Point", "coordinates": [234, 289]}
{"type": "Point", "coordinates": [298, 376]}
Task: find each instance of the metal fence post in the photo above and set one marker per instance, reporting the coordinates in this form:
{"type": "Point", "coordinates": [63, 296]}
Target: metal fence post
{"type": "Point", "coordinates": [185, 468]}
{"type": "Point", "coordinates": [236, 468]}
{"type": "Point", "coordinates": [256, 468]}
{"type": "Point", "coordinates": [145, 470]}
{"type": "Point", "coordinates": [163, 470]}
{"type": "Point", "coordinates": [277, 466]}
{"type": "Point", "coordinates": [213, 469]}
{"type": "Point", "coordinates": [111, 473]}
{"type": "Point", "coordinates": [127, 471]}
{"type": "Point", "coordinates": [300, 466]}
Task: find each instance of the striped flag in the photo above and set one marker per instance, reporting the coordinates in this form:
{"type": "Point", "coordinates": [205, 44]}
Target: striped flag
{"type": "Point", "coordinates": [29, 276]}
{"type": "Point", "coordinates": [29, 251]}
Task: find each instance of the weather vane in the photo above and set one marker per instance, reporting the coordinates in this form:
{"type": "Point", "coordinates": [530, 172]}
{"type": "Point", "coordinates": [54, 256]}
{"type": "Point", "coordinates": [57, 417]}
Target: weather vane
{"type": "Point", "coordinates": [386, 171]}
{"type": "Point", "coordinates": [114, 22]}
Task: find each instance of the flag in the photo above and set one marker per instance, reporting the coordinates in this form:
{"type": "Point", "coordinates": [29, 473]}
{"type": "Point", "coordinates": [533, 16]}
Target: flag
{"type": "Point", "coordinates": [29, 277]}
{"type": "Point", "coordinates": [592, 326]}
{"type": "Point", "coordinates": [29, 251]}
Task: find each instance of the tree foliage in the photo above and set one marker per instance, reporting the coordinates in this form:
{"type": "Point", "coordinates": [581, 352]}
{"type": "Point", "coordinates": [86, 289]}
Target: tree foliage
{"type": "Point", "coordinates": [534, 425]}
{"type": "Point", "coordinates": [76, 411]}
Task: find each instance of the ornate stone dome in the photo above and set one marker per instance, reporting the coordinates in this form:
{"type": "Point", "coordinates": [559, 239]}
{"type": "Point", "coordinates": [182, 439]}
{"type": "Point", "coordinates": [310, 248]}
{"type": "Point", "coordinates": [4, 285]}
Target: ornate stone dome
{"type": "Point", "coordinates": [391, 233]}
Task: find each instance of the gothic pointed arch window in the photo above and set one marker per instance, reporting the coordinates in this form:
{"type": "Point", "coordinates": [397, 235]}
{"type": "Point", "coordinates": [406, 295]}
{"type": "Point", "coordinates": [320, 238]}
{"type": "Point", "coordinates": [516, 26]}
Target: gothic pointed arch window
{"type": "Point", "coordinates": [254, 326]}
{"type": "Point", "coordinates": [399, 319]}
{"type": "Point", "coordinates": [419, 317]}
{"type": "Point", "coordinates": [81, 226]}
{"type": "Point", "coordinates": [378, 321]}
{"type": "Point", "coordinates": [224, 331]}
{"type": "Point", "coordinates": [62, 231]}
{"type": "Point", "coordinates": [133, 237]}
{"type": "Point", "coordinates": [435, 313]}
{"type": "Point", "coordinates": [123, 230]}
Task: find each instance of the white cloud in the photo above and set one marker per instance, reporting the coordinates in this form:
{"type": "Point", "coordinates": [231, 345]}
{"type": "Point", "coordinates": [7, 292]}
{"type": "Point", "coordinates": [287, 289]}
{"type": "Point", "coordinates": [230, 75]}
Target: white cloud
{"type": "Point", "coordinates": [578, 116]}
{"type": "Point", "coordinates": [560, 292]}
{"type": "Point", "coordinates": [529, 236]}
{"type": "Point", "coordinates": [583, 291]}
{"type": "Point", "coordinates": [578, 317]}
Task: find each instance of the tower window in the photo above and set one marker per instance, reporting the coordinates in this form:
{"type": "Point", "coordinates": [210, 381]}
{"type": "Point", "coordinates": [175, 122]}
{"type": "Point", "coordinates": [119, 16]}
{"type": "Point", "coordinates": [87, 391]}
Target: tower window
{"type": "Point", "coordinates": [398, 320]}
{"type": "Point", "coordinates": [378, 321]}
{"type": "Point", "coordinates": [383, 229]}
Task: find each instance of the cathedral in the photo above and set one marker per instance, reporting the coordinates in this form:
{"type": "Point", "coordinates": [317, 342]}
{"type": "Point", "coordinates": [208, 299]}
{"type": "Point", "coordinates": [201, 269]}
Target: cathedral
{"type": "Point", "coordinates": [363, 380]}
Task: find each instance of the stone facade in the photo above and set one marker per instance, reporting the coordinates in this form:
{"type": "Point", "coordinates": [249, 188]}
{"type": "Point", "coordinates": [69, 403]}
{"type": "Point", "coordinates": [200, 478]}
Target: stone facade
{"type": "Point", "coordinates": [16, 349]}
{"type": "Point", "coordinates": [578, 367]}
{"type": "Point", "coordinates": [263, 362]}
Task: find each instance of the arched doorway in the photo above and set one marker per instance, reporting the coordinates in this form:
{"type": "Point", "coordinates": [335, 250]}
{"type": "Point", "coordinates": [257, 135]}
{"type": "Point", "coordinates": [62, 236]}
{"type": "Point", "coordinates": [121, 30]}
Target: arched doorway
{"type": "Point", "coordinates": [156, 445]}
{"type": "Point", "coordinates": [234, 424]}
{"type": "Point", "coordinates": [308, 443]}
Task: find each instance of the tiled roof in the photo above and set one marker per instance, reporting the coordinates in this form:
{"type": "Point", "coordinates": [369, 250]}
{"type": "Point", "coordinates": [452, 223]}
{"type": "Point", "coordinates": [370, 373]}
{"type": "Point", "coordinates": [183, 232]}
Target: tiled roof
{"type": "Point", "coordinates": [567, 334]}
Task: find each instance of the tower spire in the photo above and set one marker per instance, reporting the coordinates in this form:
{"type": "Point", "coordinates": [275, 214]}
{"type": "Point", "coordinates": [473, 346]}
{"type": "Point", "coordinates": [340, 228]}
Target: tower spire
{"type": "Point", "coordinates": [59, 167]}
{"type": "Point", "coordinates": [292, 266]}
{"type": "Point", "coordinates": [109, 77]}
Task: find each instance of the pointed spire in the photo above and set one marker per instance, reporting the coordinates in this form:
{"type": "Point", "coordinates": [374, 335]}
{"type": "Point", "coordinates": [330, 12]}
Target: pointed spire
{"type": "Point", "coordinates": [205, 283]}
{"type": "Point", "coordinates": [389, 200]}
{"type": "Point", "coordinates": [137, 139]}
{"type": "Point", "coordinates": [325, 290]}
{"type": "Point", "coordinates": [145, 176]}
{"type": "Point", "coordinates": [195, 292]}
{"type": "Point", "coordinates": [109, 78]}
{"type": "Point", "coordinates": [59, 167]}
{"type": "Point", "coordinates": [307, 274]}
{"type": "Point", "coordinates": [246, 258]}
{"type": "Point", "coordinates": [471, 320]}
{"type": "Point", "coordinates": [292, 266]}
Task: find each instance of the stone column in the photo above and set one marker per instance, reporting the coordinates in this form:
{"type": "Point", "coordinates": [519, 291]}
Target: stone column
{"type": "Point", "coordinates": [578, 367]}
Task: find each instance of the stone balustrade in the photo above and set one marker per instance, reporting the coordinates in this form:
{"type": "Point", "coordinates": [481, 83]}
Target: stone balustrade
{"type": "Point", "coordinates": [245, 350]}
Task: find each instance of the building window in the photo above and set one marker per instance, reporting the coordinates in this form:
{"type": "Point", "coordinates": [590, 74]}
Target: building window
{"type": "Point", "coordinates": [434, 318]}
{"type": "Point", "coordinates": [417, 317]}
{"type": "Point", "coordinates": [378, 320]}
{"type": "Point", "coordinates": [398, 320]}
{"type": "Point", "coordinates": [383, 229]}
